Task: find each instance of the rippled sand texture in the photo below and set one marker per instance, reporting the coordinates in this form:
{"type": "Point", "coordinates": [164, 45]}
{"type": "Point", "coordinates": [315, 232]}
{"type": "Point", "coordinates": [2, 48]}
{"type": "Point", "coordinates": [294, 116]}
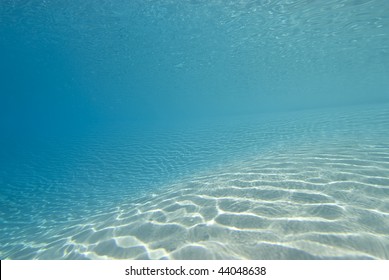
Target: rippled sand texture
{"type": "Point", "coordinates": [321, 192]}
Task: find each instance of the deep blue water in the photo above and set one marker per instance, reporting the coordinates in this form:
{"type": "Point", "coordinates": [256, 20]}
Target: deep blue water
{"type": "Point", "coordinates": [250, 129]}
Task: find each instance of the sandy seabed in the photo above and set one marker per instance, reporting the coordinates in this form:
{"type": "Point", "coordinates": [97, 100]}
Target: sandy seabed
{"type": "Point", "coordinates": [322, 195]}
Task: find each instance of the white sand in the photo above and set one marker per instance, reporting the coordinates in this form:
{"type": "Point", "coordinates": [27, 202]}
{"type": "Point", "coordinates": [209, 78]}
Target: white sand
{"type": "Point", "coordinates": [310, 202]}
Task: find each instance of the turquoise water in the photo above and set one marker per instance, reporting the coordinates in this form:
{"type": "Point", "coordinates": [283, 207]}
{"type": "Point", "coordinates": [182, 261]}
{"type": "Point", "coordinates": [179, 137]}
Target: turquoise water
{"type": "Point", "coordinates": [194, 129]}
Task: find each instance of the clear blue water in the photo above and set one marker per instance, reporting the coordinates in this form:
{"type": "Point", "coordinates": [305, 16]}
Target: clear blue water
{"type": "Point", "coordinates": [161, 129]}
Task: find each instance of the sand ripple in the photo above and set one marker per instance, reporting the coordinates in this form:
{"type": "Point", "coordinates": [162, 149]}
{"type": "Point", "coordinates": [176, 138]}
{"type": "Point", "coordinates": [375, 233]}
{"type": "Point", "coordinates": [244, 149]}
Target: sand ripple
{"type": "Point", "coordinates": [316, 197]}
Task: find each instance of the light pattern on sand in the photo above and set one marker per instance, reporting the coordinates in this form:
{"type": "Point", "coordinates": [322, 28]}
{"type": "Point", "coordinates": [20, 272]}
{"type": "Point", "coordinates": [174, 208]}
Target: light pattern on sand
{"type": "Point", "coordinates": [317, 191]}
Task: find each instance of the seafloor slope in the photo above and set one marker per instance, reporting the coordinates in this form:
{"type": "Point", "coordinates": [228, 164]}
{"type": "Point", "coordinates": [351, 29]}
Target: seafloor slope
{"type": "Point", "coordinates": [302, 185]}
